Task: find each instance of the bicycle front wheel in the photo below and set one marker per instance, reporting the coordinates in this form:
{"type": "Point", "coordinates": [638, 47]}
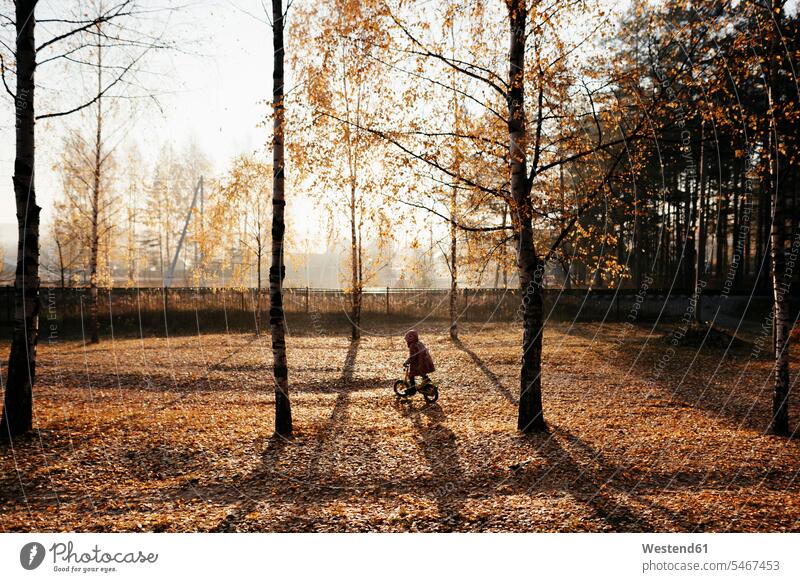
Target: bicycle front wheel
{"type": "Point", "coordinates": [400, 387]}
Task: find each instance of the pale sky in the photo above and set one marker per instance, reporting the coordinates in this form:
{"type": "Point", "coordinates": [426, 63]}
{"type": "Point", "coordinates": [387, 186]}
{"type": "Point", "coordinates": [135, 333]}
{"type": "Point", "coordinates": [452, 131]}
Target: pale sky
{"type": "Point", "coordinates": [217, 96]}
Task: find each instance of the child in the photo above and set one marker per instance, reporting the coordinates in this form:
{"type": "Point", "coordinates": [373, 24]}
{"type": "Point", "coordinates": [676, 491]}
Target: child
{"type": "Point", "coordinates": [419, 361]}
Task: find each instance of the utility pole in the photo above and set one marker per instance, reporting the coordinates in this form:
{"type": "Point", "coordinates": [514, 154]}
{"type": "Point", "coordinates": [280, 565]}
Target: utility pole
{"type": "Point", "coordinates": [171, 272]}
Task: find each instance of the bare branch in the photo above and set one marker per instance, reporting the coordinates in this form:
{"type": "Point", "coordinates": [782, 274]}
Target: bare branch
{"type": "Point", "coordinates": [385, 136]}
{"type": "Point", "coordinates": [460, 66]}
{"type": "Point", "coordinates": [96, 97]}
{"type": "Point", "coordinates": [440, 84]}
{"type": "Point", "coordinates": [110, 14]}
{"type": "Point", "coordinates": [453, 221]}
{"type": "Point", "coordinates": [3, 74]}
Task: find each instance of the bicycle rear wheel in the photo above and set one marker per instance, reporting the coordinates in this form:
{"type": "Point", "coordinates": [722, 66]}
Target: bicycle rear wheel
{"type": "Point", "coordinates": [431, 394]}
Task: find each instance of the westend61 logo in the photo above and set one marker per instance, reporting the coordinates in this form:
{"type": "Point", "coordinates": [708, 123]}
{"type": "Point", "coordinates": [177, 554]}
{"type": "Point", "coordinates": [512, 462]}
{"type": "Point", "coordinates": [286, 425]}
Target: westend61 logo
{"type": "Point", "coordinates": [67, 559]}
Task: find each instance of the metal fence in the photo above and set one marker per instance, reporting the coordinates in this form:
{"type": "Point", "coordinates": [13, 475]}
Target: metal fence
{"type": "Point", "coordinates": [72, 303]}
{"type": "Point", "coordinates": [236, 308]}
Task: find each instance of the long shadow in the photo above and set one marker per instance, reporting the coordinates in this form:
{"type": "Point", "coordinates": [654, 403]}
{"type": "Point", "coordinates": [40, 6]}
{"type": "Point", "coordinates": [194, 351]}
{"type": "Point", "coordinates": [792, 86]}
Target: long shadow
{"type": "Point", "coordinates": [160, 381]}
{"type": "Point", "coordinates": [732, 397]}
{"type": "Point", "coordinates": [221, 364]}
{"type": "Point", "coordinates": [594, 481]}
{"type": "Point", "coordinates": [585, 485]}
{"type": "Point", "coordinates": [260, 479]}
{"type": "Point", "coordinates": [560, 463]}
{"type": "Point", "coordinates": [636, 483]}
{"type": "Point", "coordinates": [266, 474]}
{"type": "Point", "coordinates": [493, 378]}
{"type": "Point", "coordinates": [339, 385]}
{"type": "Point", "coordinates": [339, 413]}
{"type": "Point", "coordinates": [438, 444]}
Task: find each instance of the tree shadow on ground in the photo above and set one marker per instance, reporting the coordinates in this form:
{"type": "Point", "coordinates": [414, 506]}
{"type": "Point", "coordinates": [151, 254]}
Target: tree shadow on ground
{"type": "Point", "coordinates": [586, 475]}
{"type": "Point", "coordinates": [259, 480]}
{"type": "Point", "coordinates": [265, 474]}
{"type": "Point", "coordinates": [613, 493]}
{"type": "Point", "coordinates": [339, 385]}
{"type": "Point", "coordinates": [338, 416]}
{"type": "Point", "coordinates": [729, 397]}
{"type": "Point", "coordinates": [438, 445]}
{"type": "Point", "coordinates": [160, 380]}
{"type": "Point", "coordinates": [493, 378]}
{"type": "Point", "coordinates": [292, 484]}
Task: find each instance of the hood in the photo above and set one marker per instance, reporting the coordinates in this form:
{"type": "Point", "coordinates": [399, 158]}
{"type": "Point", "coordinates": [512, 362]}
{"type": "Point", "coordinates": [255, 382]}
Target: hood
{"type": "Point", "coordinates": [412, 336]}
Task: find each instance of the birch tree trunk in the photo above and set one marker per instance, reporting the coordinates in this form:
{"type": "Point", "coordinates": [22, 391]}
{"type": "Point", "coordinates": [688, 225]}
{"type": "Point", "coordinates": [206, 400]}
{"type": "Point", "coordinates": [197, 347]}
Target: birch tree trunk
{"type": "Point", "coordinates": [530, 266]}
{"type": "Point", "coordinates": [355, 315]}
{"type": "Point", "coordinates": [131, 250]}
{"type": "Point", "coordinates": [737, 258]}
{"type": "Point", "coordinates": [277, 271]}
{"type": "Point", "coordinates": [781, 283]}
{"type": "Point", "coordinates": [453, 263]}
{"type": "Point", "coordinates": [351, 145]}
{"type": "Point", "coordinates": [17, 415]}
{"type": "Point", "coordinates": [782, 317]}
{"type": "Point", "coordinates": [780, 290]}
{"type": "Point", "coordinates": [96, 195]}
{"type": "Point", "coordinates": [454, 208]}
{"type": "Point", "coordinates": [360, 271]}
{"type": "Point", "coordinates": [700, 217]}
{"type": "Point", "coordinates": [454, 242]}
{"type": "Point", "coordinates": [259, 255]}
{"type": "Point", "coordinates": [688, 259]}
{"type": "Point", "coordinates": [505, 253]}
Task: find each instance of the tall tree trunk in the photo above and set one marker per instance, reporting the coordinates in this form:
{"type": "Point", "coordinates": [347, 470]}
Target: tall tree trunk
{"type": "Point", "coordinates": [747, 258]}
{"type": "Point", "coordinates": [764, 237]}
{"type": "Point", "coordinates": [453, 264]}
{"type": "Point", "coordinates": [355, 300]}
{"type": "Point", "coordinates": [453, 267]}
{"type": "Point", "coordinates": [351, 146]}
{"type": "Point", "coordinates": [96, 195]}
{"type": "Point", "coordinates": [530, 266]}
{"type": "Point", "coordinates": [131, 246]}
{"type": "Point", "coordinates": [18, 402]}
{"type": "Point", "coordinates": [665, 264]}
{"type": "Point", "coordinates": [637, 252]}
{"type": "Point", "coordinates": [721, 228]}
{"type": "Point", "coordinates": [360, 272]}
{"type": "Point", "coordinates": [782, 316]}
{"type": "Point", "coordinates": [739, 259]}
{"type": "Point", "coordinates": [500, 261]}
{"type": "Point", "coordinates": [259, 255]}
{"type": "Point", "coordinates": [700, 216]}
{"type": "Point", "coordinates": [277, 271]}
{"type": "Point", "coordinates": [781, 284]}
{"type": "Point", "coordinates": [689, 213]}
{"type": "Point", "coordinates": [504, 251]}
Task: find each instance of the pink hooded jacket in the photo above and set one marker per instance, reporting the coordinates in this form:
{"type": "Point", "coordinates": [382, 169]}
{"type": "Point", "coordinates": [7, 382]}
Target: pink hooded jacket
{"type": "Point", "coordinates": [419, 359]}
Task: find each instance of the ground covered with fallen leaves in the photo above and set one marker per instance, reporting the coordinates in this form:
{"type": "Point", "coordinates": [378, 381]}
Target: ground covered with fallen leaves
{"type": "Point", "coordinates": [176, 435]}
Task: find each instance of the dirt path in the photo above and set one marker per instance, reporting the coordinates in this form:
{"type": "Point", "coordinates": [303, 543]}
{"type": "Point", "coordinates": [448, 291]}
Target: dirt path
{"type": "Point", "coordinates": [175, 435]}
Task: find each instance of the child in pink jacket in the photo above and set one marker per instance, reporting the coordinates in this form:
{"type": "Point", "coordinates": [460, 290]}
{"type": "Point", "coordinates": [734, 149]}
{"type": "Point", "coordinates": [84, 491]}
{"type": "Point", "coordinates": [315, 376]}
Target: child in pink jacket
{"type": "Point", "coordinates": [419, 361]}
